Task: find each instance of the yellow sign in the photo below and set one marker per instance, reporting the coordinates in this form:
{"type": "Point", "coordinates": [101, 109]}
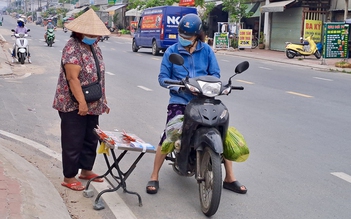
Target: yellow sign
{"type": "Point", "coordinates": [313, 27]}
{"type": "Point", "coordinates": [245, 38]}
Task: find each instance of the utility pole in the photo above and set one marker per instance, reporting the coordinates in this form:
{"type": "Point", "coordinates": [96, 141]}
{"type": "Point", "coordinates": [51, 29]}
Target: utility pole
{"type": "Point", "coordinates": [346, 9]}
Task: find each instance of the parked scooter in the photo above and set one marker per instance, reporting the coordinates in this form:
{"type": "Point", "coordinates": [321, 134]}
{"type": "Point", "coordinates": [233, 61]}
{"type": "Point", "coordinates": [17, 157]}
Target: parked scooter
{"type": "Point", "coordinates": [50, 36]}
{"type": "Point", "coordinates": [21, 49]}
{"type": "Point", "coordinates": [302, 49]}
{"type": "Point", "coordinates": [65, 29]}
{"type": "Point", "coordinates": [205, 124]}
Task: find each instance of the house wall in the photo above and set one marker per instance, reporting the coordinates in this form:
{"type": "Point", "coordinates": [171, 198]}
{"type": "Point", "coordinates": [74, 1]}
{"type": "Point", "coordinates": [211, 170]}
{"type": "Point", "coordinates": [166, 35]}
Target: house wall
{"type": "Point", "coordinates": [286, 27]}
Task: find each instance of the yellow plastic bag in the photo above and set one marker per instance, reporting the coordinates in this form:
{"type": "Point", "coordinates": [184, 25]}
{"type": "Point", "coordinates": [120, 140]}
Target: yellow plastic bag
{"type": "Point", "coordinates": [234, 146]}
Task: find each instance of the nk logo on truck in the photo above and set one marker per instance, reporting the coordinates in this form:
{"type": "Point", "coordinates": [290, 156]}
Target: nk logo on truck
{"type": "Point", "coordinates": [173, 20]}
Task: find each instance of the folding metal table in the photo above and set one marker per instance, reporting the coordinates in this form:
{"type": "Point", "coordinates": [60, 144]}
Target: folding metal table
{"type": "Point", "coordinates": [137, 146]}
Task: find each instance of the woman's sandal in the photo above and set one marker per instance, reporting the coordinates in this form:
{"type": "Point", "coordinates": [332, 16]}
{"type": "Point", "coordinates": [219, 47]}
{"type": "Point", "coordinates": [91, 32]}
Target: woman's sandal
{"type": "Point", "coordinates": [150, 184]}
{"type": "Point", "coordinates": [235, 187]}
{"type": "Point", "coordinates": [76, 186]}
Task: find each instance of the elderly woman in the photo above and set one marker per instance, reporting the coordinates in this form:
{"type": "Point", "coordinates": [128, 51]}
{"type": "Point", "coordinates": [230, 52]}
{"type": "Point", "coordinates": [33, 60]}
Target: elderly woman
{"type": "Point", "coordinates": [81, 64]}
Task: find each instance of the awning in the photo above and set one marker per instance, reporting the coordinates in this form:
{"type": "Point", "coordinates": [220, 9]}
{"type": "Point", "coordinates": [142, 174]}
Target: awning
{"type": "Point", "coordinates": [114, 8]}
{"type": "Point", "coordinates": [133, 12]}
{"type": "Point", "coordinates": [253, 8]}
{"type": "Point", "coordinates": [276, 6]}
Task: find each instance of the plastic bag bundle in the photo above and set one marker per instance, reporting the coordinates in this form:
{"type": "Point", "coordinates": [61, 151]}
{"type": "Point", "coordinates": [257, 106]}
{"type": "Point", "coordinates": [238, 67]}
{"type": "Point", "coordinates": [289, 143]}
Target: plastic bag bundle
{"type": "Point", "coordinates": [235, 147]}
{"type": "Point", "coordinates": [173, 133]}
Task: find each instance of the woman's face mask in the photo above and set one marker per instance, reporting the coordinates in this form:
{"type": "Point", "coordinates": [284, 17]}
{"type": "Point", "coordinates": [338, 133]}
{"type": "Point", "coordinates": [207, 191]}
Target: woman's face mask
{"type": "Point", "coordinates": [89, 41]}
{"type": "Point", "coordinates": [184, 42]}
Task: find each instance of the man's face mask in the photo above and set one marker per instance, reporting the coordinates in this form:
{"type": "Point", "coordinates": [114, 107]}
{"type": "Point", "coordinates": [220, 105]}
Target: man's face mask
{"type": "Point", "coordinates": [89, 41]}
{"type": "Point", "coordinates": [184, 42]}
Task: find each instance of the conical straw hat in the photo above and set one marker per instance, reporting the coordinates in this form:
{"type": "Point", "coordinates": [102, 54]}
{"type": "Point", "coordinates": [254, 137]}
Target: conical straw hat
{"type": "Point", "coordinates": [88, 23]}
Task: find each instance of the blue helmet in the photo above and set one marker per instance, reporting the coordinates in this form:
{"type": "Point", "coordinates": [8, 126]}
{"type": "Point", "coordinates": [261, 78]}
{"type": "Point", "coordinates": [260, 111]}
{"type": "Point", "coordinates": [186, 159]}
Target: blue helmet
{"type": "Point", "coordinates": [190, 25]}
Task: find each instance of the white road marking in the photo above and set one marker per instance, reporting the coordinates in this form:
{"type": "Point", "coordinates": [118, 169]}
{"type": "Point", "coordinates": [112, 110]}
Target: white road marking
{"type": "Point", "coordinates": [343, 176]}
{"type": "Point", "coordinates": [120, 42]}
{"type": "Point", "coordinates": [299, 94]}
{"type": "Point", "coordinates": [144, 88]}
{"type": "Point", "coordinates": [109, 73]}
{"type": "Point", "coordinates": [265, 68]}
{"type": "Point", "coordinates": [155, 58]}
{"type": "Point", "coordinates": [223, 60]}
{"type": "Point", "coordinates": [324, 79]}
{"type": "Point", "coordinates": [34, 144]}
{"type": "Point", "coordinates": [246, 82]}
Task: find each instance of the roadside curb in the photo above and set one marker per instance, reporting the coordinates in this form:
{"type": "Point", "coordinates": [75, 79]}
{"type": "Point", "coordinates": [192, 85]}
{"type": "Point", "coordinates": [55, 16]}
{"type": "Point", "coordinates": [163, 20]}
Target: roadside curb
{"type": "Point", "coordinates": [5, 68]}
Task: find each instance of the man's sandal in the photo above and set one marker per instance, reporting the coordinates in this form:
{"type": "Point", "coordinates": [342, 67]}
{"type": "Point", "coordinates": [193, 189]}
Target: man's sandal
{"type": "Point", "coordinates": [235, 187]}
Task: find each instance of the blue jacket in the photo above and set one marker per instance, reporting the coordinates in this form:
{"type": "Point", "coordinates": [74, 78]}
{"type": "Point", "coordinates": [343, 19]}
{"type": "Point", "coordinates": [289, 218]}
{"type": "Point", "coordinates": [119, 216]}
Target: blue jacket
{"type": "Point", "coordinates": [202, 62]}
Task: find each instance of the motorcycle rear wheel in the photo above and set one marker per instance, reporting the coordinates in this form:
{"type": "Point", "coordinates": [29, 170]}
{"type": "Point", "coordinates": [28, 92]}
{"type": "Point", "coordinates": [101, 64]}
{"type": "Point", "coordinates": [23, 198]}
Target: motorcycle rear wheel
{"type": "Point", "coordinates": [210, 188]}
{"type": "Point", "coordinates": [289, 54]}
{"type": "Point", "coordinates": [317, 54]}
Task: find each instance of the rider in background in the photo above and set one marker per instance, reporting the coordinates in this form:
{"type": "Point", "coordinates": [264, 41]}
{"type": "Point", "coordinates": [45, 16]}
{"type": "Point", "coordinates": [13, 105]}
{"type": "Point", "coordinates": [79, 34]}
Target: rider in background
{"type": "Point", "coordinates": [20, 29]}
{"type": "Point", "coordinates": [48, 26]}
{"type": "Point", "coordinates": [200, 60]}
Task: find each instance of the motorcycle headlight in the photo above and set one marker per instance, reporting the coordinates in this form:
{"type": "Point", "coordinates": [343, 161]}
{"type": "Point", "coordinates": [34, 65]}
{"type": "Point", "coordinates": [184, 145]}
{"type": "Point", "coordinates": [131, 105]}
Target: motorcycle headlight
{"type": "Point", "coordinates": [210, 89]}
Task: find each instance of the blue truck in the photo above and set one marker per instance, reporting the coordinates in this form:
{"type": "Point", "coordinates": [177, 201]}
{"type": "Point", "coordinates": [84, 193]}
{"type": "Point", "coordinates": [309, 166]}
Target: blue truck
{"type": "Point", "coordinates": [158, 27]}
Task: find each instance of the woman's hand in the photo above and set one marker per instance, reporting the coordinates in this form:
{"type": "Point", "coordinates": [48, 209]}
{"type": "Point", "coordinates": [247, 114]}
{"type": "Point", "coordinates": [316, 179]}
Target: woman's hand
{"type": "Point", "coordinates": [83, 108]}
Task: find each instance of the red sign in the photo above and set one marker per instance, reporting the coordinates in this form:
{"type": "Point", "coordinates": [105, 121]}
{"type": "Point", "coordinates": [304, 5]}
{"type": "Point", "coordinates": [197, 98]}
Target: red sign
{"type": "Point", "coordinates": [186, 2]}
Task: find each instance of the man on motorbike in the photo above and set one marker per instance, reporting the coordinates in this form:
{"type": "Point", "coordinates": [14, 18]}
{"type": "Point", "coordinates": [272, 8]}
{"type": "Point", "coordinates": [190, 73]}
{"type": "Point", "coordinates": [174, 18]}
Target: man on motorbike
{"type": "Point", "coordinates": [48, 26]}
{"type": "Point", "coordinates": [20, 29]}
{"type": "Point", "coordinates": [203, 62]}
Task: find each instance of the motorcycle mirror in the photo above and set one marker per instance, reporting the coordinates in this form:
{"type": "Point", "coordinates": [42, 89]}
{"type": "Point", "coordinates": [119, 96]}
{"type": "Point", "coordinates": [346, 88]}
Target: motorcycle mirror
{"type": "Point", "coordinates": [28, 30]}
{"type": "Point", "coordinates": [242, 67]}
{"type": "Point", "coordinates": [178, 60]}
{"type": "Point", "coordinates": [12, 30]}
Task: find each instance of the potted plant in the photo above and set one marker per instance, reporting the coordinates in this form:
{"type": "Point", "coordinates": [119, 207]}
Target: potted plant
{"type": "Point", "coordinates": [261, 41]}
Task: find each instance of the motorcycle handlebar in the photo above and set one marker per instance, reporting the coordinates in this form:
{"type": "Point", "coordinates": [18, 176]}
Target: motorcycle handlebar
{"type": "Point", "coordinates": [237, 88]}
{"type": "Point", "coordinates": [174, 82]}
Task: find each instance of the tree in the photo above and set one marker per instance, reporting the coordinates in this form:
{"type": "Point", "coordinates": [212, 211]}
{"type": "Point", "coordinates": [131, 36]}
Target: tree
{"type": "Point", "coordinates": [236, 10]}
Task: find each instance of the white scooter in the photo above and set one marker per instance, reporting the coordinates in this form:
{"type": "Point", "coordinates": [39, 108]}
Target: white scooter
{"type": "Point", "coordinates": [21, 49]}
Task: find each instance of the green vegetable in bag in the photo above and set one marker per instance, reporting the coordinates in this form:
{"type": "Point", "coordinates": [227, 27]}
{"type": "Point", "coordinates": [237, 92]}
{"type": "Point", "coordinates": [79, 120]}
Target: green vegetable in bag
{"type": "Point", "coordinates": [173, 133]}
{"type": "Point", "coordinates": [235, 147]}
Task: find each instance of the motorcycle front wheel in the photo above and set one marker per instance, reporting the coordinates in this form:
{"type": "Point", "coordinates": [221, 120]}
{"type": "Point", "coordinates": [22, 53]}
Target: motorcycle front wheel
{"type": "Point", "coordinates": [21, 59]}
{"type": "Point", "coordinates": [210, 188]}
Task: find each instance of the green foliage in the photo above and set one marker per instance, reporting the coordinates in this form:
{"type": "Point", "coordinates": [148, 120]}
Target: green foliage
{"type": "Point", "coordinates": [236, 9]}
{"type": "Point", "coordinates": [209, 6]}
{"type": "Point", "coordinates": [124, 31]}
{"type": "Point", "coordinates": [262, 38]}
{"type": "Point", "coordinates": [234, 42]}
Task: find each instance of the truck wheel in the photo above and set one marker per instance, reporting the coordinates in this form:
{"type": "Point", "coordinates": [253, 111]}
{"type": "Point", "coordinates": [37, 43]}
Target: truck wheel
{"type": "Point", "coordinates": [155, 49]}
{"type": "Point", "coordinates": [134, 47]}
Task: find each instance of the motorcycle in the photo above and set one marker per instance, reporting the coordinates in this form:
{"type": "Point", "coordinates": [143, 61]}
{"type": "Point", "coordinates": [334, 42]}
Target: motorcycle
{"type": "Point", "coordinates": [302, 49]}
{"type": "Point", "coordinates": [204, 127]}
{"type": "Point", "coordinates": [21, 49]}
{"type": "Point", "coordinates": [50, 36]}
{"type": "Point", "coordinates": [65, 29]}
{"type": "Point", "coordinates": [102, 38]}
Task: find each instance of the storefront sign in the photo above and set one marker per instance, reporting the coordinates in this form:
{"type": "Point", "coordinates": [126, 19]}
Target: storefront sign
{"type": "Point", "coordinates": [186, 2]}
{"type": "Point", "coordinates": [221, 40]}
{"type": "Point", "coordinates": [336, 35]}
{"type": "Point", "coordinates": [313, 27]}
{"type": "Point", "coordinates": [245, 38]}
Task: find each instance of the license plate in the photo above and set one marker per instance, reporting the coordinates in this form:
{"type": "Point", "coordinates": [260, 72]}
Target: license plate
{"type": "Point", "coordinates": [172, 36]}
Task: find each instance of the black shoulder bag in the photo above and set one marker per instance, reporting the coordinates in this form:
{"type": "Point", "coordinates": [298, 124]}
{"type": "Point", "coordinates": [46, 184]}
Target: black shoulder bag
{"type": "Point", "coordinates": [92, 92]}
